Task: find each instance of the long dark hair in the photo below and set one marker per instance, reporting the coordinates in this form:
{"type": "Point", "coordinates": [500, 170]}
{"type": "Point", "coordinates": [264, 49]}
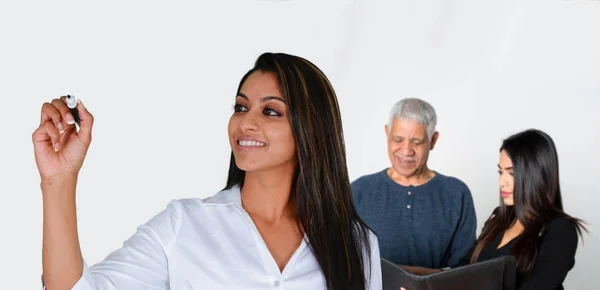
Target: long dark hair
{"type": "Point", "coordinates": [337, 236]}
{"type": "Point", "coordinates": [537, 197]}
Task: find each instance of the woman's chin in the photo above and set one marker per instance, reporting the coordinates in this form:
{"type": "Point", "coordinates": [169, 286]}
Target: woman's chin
{"type": "Point", "coordinates": [508, 202]}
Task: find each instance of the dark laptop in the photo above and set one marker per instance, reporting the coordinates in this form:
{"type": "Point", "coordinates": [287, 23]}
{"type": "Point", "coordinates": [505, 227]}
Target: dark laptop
{"type": "Point", "coordinates": [495, 274]}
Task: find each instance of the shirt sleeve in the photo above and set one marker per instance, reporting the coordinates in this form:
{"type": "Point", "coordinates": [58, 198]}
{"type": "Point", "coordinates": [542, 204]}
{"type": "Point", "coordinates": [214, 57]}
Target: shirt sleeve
{"type": "Point", "coordinates": [556, 257]}
{"type": "Point", "coordinates": [464, 236]}
{"type": "Point", "coordinates": [375, 281]}
{"type": "Point", "coordinates": [357, 197]}
{"type": "Point", "coordinates": [466, 259]}
{"type": "Point", "coordinates": [142, 261]}
{"type": "Point", "coordinates": [356, 192]}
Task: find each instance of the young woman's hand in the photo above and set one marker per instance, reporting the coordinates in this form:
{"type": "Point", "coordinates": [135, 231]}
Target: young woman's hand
{"type": "Point", "coordinates": [59, 149]}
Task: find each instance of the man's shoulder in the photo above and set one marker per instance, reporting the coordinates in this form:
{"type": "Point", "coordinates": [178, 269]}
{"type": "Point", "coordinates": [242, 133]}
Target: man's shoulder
{"type": "Point", "coordinates": [368, 180]}
{"type": "Point", "coordinates": [452, 184]}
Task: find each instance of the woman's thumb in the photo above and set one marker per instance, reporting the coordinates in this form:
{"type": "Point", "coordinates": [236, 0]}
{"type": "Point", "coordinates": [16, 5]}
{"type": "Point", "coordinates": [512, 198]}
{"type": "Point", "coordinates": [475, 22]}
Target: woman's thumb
{"type": "Point", "coordinates": [86, 123]}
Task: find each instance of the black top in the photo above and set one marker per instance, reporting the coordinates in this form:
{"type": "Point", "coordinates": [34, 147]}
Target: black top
{"type": "Point", "coordinates": [555, 259]}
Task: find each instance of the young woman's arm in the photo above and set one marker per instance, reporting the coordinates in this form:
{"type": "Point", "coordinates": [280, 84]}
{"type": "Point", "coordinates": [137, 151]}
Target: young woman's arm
{"type": "Point", "coordinates": [59, 153]}
{"type": "Point", "coordinates": [556, 257]}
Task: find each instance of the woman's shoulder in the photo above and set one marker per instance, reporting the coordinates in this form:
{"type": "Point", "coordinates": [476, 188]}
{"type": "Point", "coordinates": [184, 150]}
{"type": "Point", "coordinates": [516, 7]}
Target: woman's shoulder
{"type": "Point", "coordinates": [494, 213]}
{"type": "Point", "coordinates": [560, 226]}
{"type": "Point", "coordinates": [373, 240]}
{"type": "Point", "coordinates": [177, 208]}
{"type": "Point", "coordinates": [224, 197]}
{"type": "Point", "coordinates": [560, 233]}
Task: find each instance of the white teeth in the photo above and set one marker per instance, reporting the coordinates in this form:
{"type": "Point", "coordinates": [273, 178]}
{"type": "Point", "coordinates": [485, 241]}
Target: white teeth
{"type": "Point", "coordinates": [406, 159]}
{"type": "Point", "coordinates": [248, 143]}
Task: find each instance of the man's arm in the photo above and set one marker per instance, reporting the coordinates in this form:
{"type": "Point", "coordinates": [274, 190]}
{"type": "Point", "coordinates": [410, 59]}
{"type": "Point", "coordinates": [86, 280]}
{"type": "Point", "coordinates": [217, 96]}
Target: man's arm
{"type": "Point", "coordinates": [356, 194]}
{"type": "Point", "coordinates": [464, 236]}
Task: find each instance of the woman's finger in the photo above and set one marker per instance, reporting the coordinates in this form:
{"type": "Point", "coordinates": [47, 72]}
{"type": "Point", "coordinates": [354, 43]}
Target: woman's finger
{"type": "Point", "coordinates": [65, 113]}
{"type": "Point", "coordinates": [51, 113]}
{"type": "Point", "coordinates": [47, 133]}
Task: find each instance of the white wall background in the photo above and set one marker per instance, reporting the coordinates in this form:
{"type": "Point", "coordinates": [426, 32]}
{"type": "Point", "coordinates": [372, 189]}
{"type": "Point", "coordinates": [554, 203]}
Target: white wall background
{"type": "Point", "coordinates": [160, 79]}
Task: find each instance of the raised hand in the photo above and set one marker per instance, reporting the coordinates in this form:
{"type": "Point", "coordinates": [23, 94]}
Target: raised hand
{"type": "Point", "coordinates": [59, 149]}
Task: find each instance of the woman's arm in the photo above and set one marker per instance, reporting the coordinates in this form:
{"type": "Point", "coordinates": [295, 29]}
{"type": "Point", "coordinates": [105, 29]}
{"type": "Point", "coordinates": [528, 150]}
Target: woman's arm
{"type": "Point", "coordinates": [140, 264]}
{"type": "Point", "coordinates": [61, 255]}
{"type": "Point", "coordinates": [556, 257]}
{"type": "Point", "coordinates": [59, 153]}
{"type": "Point", "coordinates": [375, 281]}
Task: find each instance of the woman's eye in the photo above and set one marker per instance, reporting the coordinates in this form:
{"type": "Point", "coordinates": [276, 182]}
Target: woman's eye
{"type": "Point", "coordinates": [239, 108]}
{"type": "Point", "coordinates": [270, 112]}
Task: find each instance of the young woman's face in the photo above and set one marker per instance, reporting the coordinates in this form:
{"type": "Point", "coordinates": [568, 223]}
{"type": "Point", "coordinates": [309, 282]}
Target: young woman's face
{"type": "Point", "coordinates": [506, 179]}
{"type": "Point", "coordinates": [260, 133]}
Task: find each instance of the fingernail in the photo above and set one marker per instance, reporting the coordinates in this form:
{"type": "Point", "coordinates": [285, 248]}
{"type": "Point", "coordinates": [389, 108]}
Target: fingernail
{"type": "Point", "coordinates": [70, 119]}
{"type": "Point", "coordinates": [60, 128]}
{"type": "Point", "coordinates": [55, 147]}
{"type": "Point", "coordinates": [80, 103]}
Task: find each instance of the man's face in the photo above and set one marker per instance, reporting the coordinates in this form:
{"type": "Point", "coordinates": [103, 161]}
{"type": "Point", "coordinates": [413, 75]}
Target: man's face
{"type": "Point", "coordinates": [408, 146]}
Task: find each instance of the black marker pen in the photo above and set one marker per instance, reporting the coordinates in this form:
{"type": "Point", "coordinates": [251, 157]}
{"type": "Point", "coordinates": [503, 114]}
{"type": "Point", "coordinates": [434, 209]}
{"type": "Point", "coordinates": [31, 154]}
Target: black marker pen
{"type": "Point", "coordinates": [72, 104]}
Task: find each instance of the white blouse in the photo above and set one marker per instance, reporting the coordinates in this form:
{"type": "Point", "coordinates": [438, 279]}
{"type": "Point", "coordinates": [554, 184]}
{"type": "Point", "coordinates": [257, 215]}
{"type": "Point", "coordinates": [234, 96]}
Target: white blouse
{"type": "Point", "coordinates": [208, 243]}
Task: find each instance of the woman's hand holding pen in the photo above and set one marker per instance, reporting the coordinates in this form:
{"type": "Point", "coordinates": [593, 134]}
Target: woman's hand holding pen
{"type": "Point", "coordinates": [59, 153]}
{"type": "Point", "coordinates": [59, 149]}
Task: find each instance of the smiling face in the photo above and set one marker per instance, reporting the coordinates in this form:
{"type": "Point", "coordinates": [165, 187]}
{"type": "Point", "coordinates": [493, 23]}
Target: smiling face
{"type": "Point", "coordinates": [408, 147]}
{"type": "Point", "coordinates": [506, 179]}
{"type": "Point", "coordinates": [260, 133]}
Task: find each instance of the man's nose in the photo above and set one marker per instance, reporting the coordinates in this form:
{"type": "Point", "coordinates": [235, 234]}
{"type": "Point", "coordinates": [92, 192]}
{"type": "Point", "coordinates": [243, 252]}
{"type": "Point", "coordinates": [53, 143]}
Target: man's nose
{"type": "Point", "coordinates": [406, 148]}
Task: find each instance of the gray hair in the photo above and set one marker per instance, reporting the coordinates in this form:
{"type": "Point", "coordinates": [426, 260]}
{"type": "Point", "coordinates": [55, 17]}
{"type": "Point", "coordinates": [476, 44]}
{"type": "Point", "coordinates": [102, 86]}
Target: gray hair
{"type": "Point", "coordinates": [415, 110]}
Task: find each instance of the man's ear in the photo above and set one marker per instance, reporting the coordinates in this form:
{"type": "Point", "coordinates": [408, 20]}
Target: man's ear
{"type": "Point", "coordinates": [434, 139]}
{"type": "Point", "coordinates": [387, 132]}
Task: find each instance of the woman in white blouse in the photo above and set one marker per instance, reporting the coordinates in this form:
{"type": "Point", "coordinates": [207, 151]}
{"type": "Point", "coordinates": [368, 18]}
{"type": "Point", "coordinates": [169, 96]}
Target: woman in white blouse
{"type": "Point", "coordinates": [285, 219]}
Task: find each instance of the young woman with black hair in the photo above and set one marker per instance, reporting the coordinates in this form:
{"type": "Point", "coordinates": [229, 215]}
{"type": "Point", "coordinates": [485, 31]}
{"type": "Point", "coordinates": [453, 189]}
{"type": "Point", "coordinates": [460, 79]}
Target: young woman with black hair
{"type": "Point", "coordinates": [285, 219]}
{"type": "Point", "coordinates": [530, 222]}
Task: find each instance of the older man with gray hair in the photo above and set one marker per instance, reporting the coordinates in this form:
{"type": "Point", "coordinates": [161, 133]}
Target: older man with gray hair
{"type": "Point", "coordinates": [422, 217]}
